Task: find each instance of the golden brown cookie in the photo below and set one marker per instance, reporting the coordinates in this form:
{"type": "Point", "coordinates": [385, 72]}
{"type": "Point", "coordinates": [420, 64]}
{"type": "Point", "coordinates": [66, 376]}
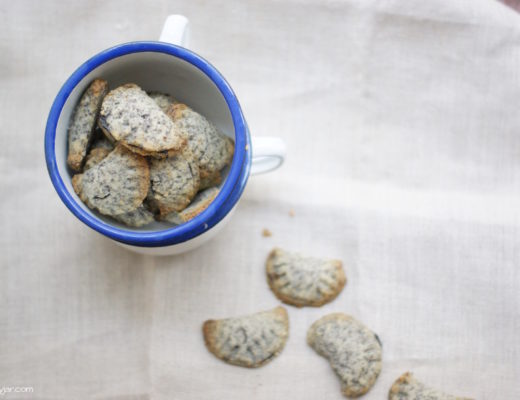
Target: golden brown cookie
{"type": "Point", "coordinates": [353, 351]}
{"type": "Point", "coordinates": [211, 148]}
{"type": "Point", "coordinates": [201, 201]}
{"type": "Point", "coordinates": [406, 387]}
{"type": "Point", "coordinates": [248, 341]}
{"type": "Point", "coordinates": [174, 182]}
{"type": "Point", "coordinates": [137, 218]}
{"type": "Point", "coordinates": [304, 281]}
{"type": "Point", "coordinates": [81, 128]}
{"type": "Point", "coordinates": [163, 100]}
{"type": "Point", "coordinates": [131, 117]}
{"type": "Point", "coordinates": [116, 185]}
{"type": "Point", "coordinates": [95, 156]}
{"type": "Point", "coordinates": [211, 181]}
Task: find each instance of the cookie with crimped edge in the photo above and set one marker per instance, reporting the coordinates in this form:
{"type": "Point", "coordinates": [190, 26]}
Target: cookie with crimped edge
{"type": "Point", "coordinates": [174, 182]}
{"type": "Point", "coordinates": [137, 218]}
{"type": "Point", "coordinates": [201, 201]}
{"type": "Point", "coordinates": [131, 117]}
{"type": "Point", "coordinates": [163, 100]}
{"type": "Point", "coordinates": [406, 387]}
{"type": "Point", "coordinates": [211, 148]}
{"type": "Point", "coordinates": [95, 156]}
{"type": "Point", "coordinates": [83, 121]}
{"type": "Point", "coordinates": [248, 341]}
{"type": "Point", "coordinates": [353, 351]}
{"type": "Point", "coordinates": [304, 281]}
{"type": "Point", "coordinates": [116, 185]}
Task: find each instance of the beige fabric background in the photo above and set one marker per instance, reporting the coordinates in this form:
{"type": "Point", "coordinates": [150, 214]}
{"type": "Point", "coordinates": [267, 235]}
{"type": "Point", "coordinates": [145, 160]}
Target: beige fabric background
{"type": "Point", "coordinates": [402, 123]}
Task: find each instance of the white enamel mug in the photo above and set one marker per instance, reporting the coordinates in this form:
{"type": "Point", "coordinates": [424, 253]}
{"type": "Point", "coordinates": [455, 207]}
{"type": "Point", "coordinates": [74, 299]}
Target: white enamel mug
{"type": "Point", "coordinates": [165, 66]}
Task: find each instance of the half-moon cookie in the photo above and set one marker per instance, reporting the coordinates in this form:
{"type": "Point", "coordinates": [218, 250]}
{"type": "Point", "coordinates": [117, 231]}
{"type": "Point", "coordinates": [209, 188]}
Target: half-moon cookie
{"type": "Point", "coordinates": [304, 281]}
{"type": "Point", "coordinates": [249, 341]}
{"type": "Point", "coordinates": [101, 140]}
{"type": "Point", "coordinates": [81, 128]}
{"type": "Point", "coordinates": [353, 351]}
{"type": "Point", "coordinates": [210, 181]}
{"type": "Point", "coordinates": [211, 148]}
{"type": "Point", "coordinates": [163, 100]}
{"type": "Point", "coordinates": [141, 216]}
{"type": "Point", "coordinates": [131, 117]}
{"type": "Point", "coordinates": [174, 182]}
{"type": "Point", "coordinates": [406, 387]}
{"type": "Point", "coordinates": [95, 156]}
{"type": "Point", "coordinates": [116, 185]}
{"type": "Point", "coordinates": [201, 201]}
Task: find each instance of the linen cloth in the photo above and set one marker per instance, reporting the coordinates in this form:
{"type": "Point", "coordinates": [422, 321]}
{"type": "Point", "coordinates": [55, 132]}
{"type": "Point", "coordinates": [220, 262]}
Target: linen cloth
{"type": "Point", "coordinates": [402, 124]}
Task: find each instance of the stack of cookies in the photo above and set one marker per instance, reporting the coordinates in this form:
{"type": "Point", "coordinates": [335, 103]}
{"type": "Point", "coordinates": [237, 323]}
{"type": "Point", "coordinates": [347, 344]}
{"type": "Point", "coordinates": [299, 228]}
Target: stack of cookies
{"type": "Point", "coordinates": [140, 157]}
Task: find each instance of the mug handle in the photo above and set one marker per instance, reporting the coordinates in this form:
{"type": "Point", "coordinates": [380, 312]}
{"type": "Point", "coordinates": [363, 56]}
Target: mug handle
{"type": "Point", "coordinates": [268, 152]}
{"type": "Point", "coordinates": [176, 30]}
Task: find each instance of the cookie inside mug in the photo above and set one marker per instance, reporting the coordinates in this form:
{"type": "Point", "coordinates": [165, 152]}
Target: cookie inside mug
{"type": "Point", "coordinates": [153, 72]}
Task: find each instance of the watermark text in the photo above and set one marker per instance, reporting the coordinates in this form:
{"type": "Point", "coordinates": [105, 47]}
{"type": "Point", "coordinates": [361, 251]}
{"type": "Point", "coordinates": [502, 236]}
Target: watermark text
{"type": "Point", "coordinates": [15, 389]}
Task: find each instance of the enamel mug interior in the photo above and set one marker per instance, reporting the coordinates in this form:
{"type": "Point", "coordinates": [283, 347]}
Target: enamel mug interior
{"type": "Point", "coordinates": [166, 68]}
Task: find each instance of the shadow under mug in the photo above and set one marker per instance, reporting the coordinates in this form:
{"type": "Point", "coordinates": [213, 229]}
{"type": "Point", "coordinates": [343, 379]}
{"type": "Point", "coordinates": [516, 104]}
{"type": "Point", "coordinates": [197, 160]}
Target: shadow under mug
{"type": "Point", "coordinates": [164, 66]}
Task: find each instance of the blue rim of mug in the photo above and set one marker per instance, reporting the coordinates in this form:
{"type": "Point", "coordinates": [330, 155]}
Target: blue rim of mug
{"type": "Point", "coordinates": [230, 191]}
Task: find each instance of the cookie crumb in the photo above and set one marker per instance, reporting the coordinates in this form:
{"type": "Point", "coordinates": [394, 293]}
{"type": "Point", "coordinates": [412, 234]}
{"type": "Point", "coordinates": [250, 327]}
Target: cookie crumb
{"type": "Point", "coordinates": [291, 213]}
{"type": "Point", "coordinates": [266, 233]}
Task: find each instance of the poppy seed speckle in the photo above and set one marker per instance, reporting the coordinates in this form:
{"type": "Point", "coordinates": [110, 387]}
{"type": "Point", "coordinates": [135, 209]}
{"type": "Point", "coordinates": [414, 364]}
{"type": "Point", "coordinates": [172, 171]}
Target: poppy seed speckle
{"type": "Point", "coordinates": [248, 341]}
{"type": "Point", "coordinates": [406, 387]}
{"type": "Point", "coordinates": [352, 350]}
{"type": "Point", "coordinates": [304, 281]}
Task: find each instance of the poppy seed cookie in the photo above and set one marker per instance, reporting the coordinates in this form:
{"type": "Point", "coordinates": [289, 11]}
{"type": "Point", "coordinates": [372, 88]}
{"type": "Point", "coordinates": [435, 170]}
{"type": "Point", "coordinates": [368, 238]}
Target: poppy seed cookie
{"type": "Point", "coordinates": [136, 218]}
{"type": "Point", "coordinates": [249, 341]}
{"type": "Point", "coordinates": [406, 387]}
{"type": "Point", "coordinates": [95, 156]}
{"type": "Point", "coordinates": [353, 351]}
{"type": "Point", "coordinates": [304, 281]}
{"type": "Point", "coordinates": [117, 185]}
{"type": "Point", "coordinates": [150, 203]}
{"type": "Point", "coordinates": [201, 201]}
{"type": "Point", "coordinates": [163, 100]}
{"type": "Point", "coordinates": [174, 182]}
{"type": "Point", "coordinates": [131, 117]}
{"type": "Point", "coordinates": [81, 128]}
{"type": "Point", "coordinates": [212, 180]}
{"type": "Point", "coordinates": [101, 141]}
{"type": "Point", "coordinates": [211, 148]}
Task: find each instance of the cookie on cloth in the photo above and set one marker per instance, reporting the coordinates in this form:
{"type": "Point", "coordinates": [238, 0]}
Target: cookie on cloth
{"type": "Point", "coordinates": [304, 281]}
{"type": "Point", "coordinates": [248, 341]}
{"type": "Point", "coordinates": [406, 387]}
{"type": "Point", "coordinates": [353, 351]}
